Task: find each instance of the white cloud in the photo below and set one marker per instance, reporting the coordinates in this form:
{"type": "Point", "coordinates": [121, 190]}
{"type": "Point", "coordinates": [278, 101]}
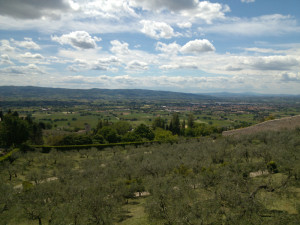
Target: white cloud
{"type": "Point", "coordinates": [157, 30]}
{"type": "Point", "coordinates": [263, 50]}
{"type": "Point", "coordinates": [181, 83]}
{"type": "Point", "coordinates": [137, 65]}
{"type": "Point", "coordinates": [172, 5]}
{"type": "Point", "coordinates": [197, 46]}
{"type": "Point", "coordinates": [169, 67]}
{"type": "Point", "coordinates": [273, 62]}
{"type": "Point", "coordinates": [106, 64]}
{"type": "Point", "coordinates": [77, 39]}
{"type": "Point", "coordinates": [119, 48]}
{"type": "Point", "coordinates": [22, 70]}
{"type": "Point", "coordinates": [5, 46]}
{"type": "Point", "coordinates": [4, 59]}
{"type": "Point", "coordinates": [207, 11]}
{"type": "Point", "coordinates": [73, 69]}
{"type": "Point", "coordinates": [267, 25]}
{"type": "Point", "coordinates": [171, 48]}
{"type": "Point", "coordinates": [247, 1]}
{"type": "Point", "coordinates": [29, 55]}
{"type": "Point", "coordinates": [290, 77]}
{"type": "Point", "coordinates": [184, 25]}
{"type": "Point", "coordinates": [108, 9]}
{"type": "Point", "coordinates": [31, 9]}
{"type": "Point", "coordinates": [27, 43]}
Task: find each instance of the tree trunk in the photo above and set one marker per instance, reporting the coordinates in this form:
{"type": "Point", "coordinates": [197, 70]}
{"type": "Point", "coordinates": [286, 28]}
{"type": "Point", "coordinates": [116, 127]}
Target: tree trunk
{"type": "Point", "coordinates": [40, 221]}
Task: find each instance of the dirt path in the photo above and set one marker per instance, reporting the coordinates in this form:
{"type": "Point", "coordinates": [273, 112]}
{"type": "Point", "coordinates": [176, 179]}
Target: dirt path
{"type": "Point", "coordinates": [20, 186]}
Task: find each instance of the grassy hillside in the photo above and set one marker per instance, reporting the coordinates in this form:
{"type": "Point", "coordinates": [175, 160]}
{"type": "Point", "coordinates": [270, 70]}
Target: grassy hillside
{"type": "Point", "coordinates": [288, 123]}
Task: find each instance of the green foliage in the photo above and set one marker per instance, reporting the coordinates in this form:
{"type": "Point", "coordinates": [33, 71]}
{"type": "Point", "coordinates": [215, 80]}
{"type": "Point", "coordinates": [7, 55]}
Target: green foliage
{"type": "Point", "coordinates": [122, 127]}
{"type": "Point", "coordinates": [144, 131]}
{"type": "Point", "coordinates": [270, 117]}
{"type": "Point", "coordinates": [272, 167]}
{"type": "Point", "coordinates": [9, 154]}
{"type": "Point", "coordinates": [98, 139]}
{"type": "Point", "coordinates": [131, 137]}
{"type": "Point", "coordinates": [75, 139]}
{"type": "Point", "coordinates": [197, 181]}
{"type": "Point", "coordinates": [25, 147]}
{"type": "Point", "coordinates": [158, 122]}
{"type": "Point", "coordinates": [191, 119]}
{"type": "Point", "coordinates": [26, 185]}
{"type": "Point", "coordinates": [13, 130]}
{"type": "Point", "coordinates": [164, 136]}
{"type": "Point", "coordinates": [110, 134]}
{"type": "Point", "coordinates": [174, 126]}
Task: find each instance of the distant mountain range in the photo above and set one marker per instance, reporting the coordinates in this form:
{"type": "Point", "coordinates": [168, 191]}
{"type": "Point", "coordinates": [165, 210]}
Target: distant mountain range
{"type": "Point", "coordinates": [32, 93]}
{"type": "Point", "coordinates": [8, 93]}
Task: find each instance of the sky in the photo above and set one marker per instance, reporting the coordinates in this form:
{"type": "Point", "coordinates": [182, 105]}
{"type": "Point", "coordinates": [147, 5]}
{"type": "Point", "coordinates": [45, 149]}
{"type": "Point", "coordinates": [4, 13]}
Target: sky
{"type": "Point", "coordinates": [188, 46]}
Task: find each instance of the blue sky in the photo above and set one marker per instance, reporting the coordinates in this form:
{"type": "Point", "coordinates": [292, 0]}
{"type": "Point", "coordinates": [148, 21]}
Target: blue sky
{"type": "Point", "coordinates": [177, 45]}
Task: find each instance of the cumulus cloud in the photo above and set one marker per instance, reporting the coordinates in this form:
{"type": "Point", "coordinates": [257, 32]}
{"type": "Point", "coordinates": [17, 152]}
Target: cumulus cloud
{"type": "Point", "coordinates": [184, 25]}
{"type": "Point", "coordinates": [247, 1]}
{"type": "Point", "coordinates": [29, 55]}
{"type": "Point", "coordinates": [207, 11]}
{"type": "Point", "coordinates": [106, 64]}
{"type": "Point", "coordinates": [77, 39]}
{"type": "Point", "coordinates": [4, 59]}
{"type": "Point", "coordinates": [122, 81]}
{"type": "Point", "coordinates": [157, 30]}
{"type": "Point", "coordinates": [267, 25]}
{"type": "Point", "coordinates": [5, 46]}
{"type": "Point", "coordinates": [27, 43]}
{"type": "Point", "coordinates": [171, 48]}
{"type": "Point", "coordinates": [32, 9]}
{"type": "Point", "coordinates": [109, 63]}
{"type": "Point", "coordinates": [232, 68]}
{"type": "Point", "coordinates": [108, 9]}
{"type": "Point", "coordinates": [172, 5]}
{"type": "Point", "coordinates": [186, 83]}
{"type": "Point", "coordinates": [137, 65]}
{"type": "Point", "coordinates": [197, 46]}
{"type": "Point", "coordinates": [19, 70]}
{"type": "Point", "coordinates": [169, 67]}
{"type": "Point", "coordinates": [119, 48]}
{"type": "Point", "coordinates": [273, 62]}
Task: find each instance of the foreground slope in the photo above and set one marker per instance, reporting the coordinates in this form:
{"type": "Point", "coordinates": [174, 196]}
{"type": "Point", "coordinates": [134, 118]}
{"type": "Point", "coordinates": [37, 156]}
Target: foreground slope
{"type": "Point", "coordinates": [270, 125]}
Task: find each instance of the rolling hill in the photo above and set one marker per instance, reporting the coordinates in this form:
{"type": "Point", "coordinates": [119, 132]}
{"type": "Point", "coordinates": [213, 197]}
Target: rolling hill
{"type": "Point", "coordinates": [270, 125]}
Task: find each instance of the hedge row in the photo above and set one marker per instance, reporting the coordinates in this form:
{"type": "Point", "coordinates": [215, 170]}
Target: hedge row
{"type": "Point", "coordinates": [6, 156]}
{"type": "Point", "coordinates": [47, 148]}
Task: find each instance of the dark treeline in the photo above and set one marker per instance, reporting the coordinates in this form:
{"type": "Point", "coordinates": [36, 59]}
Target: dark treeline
{"type": "Point", "coordinates": [200, 181]}
{"type": "Point", "coordinates": [16, 130]}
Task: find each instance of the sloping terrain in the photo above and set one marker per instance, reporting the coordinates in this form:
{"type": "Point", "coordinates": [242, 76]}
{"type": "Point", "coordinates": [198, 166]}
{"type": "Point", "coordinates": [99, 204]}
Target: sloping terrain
{"type": "Point", "coordinates": [271, 125]}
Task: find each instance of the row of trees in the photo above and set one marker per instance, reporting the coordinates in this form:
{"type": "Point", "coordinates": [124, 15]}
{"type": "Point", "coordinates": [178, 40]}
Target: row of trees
{"type": "Point", "coordinates": [187, 128]}
{"type": "Point", "coordinates": [15, 130]}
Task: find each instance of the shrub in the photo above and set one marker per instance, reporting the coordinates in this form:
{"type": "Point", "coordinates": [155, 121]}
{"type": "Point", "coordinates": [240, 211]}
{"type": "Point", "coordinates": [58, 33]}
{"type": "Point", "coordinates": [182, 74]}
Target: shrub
{"type": "Point", "coordinates": [272, 167]}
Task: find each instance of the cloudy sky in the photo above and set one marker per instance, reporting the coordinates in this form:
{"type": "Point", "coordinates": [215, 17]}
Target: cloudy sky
{"type": "Point", "coordinates": [178, 45]}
